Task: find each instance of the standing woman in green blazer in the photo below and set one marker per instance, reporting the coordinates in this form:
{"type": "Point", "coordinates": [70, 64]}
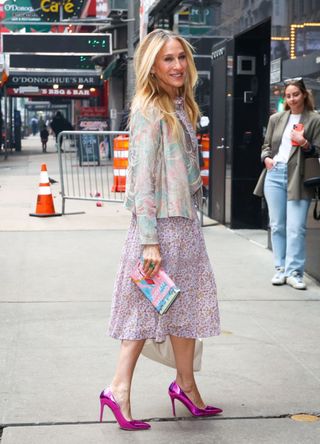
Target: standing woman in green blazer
{"type": "Point", "coordinates": [291, 136]}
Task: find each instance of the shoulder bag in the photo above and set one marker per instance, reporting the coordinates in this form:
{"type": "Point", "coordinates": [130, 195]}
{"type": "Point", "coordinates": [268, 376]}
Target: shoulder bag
{"type": "Point", "coordinates": [312, 180]}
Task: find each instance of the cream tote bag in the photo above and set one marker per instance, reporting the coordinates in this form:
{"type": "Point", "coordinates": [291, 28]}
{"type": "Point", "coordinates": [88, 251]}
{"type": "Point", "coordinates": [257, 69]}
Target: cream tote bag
{"type": "Point", "coordinates": [163, 352]}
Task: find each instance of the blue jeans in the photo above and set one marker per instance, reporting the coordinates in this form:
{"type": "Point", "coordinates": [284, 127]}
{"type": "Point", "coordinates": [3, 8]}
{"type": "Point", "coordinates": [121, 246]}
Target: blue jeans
{"type": "Point", "coordinates": [287, 221]}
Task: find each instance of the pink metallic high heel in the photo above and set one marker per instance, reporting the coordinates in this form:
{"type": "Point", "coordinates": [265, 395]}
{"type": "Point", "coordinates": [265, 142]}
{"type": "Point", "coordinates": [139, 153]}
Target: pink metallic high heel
{"type": "Point", "coordinates": [107, 398]}
{"type": "Point", "coordinates": [175, 392]}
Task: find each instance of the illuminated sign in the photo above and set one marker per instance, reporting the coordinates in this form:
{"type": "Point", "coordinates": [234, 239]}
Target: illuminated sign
{"type": "Point", "coordinates": [50, 62]}
{"type": "Point", "coordinates": [16, 12]}
{"type": "Point", "coordinates": [50, 92]}
{"type": "Point", "coordinates": [55, 10]}
{"type": "Point", "coordinates": [304, 38]}
{"type": "Point", "coordinates": [54, 43]}
{"type": "Point", "coordinates": [45, 80]}
{"type": "Point", "coordinates": [19, 12]}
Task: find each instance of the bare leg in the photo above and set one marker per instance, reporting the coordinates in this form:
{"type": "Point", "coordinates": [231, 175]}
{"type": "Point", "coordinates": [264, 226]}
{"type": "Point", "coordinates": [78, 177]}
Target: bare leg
{"type": "Point", "coordinates": [184, 352]}
{"type": "Point", "coordinates": [121, 383]}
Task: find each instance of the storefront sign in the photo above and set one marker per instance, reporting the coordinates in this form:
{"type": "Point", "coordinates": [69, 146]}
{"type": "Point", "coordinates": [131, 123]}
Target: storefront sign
{"type": "Point", "coordinates": [275, 71]}
{"type": "Point", "coordinates": [18, 12]}
{"type": "Point", "coordinates": [94, 124]}
{"type": "Point", "coordinates": [72, 63]}
{"type": "Point", "coordinates": [16, 80]}
{"type": "Point", "coordinates": [93, 111]}
{"type": "Point", "coordinates": [93, 148]}
{"type": "Point", "coordinates": [69, 93]}
{"type": "Point", "coordinates": [58, 43]}
{"type": "Point", "coordinates": [55, 10]}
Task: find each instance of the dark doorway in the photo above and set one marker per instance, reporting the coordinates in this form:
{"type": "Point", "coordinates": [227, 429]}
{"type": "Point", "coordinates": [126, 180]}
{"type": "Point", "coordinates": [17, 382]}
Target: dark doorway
{"type": "Point", "coordinates": [239, 115]}
{"type": "Point", "coordinates": [218, 123]}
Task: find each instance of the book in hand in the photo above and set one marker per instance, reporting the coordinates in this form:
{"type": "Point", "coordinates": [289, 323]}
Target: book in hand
{"type": "Point", "coordinates": [160, 290]}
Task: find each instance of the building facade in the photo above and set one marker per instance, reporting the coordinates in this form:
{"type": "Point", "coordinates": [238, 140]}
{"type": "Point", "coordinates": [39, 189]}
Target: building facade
{"type": "Point", "coordinates": [244, 51]}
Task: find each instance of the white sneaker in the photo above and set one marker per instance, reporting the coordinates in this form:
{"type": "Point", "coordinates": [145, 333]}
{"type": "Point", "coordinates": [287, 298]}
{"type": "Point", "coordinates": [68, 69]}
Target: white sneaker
{"type": "Point", "coordinates": [295, 280]}
{"type": "Point", "coordinates": [279, 278]}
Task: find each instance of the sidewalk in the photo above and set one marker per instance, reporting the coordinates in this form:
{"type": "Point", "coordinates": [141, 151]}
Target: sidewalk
{"type": "Point", "coordinates": [56, 280]}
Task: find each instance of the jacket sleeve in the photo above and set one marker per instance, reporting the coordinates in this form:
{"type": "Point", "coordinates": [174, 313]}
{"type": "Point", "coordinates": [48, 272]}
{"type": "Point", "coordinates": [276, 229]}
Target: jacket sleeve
{"type": "Point", "coordinates": [145, 138]}
{"type": "Point", "coordinates": [266, 147]}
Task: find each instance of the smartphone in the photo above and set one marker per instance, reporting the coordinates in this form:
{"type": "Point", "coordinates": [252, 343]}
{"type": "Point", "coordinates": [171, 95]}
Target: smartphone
{"type": "Point", "coordinates": [298, 127]}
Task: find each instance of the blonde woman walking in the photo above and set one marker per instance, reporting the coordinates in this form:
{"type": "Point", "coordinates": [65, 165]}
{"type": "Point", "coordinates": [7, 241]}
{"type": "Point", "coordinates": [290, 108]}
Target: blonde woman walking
{"type": "Point", "coordinates": [164, 190]}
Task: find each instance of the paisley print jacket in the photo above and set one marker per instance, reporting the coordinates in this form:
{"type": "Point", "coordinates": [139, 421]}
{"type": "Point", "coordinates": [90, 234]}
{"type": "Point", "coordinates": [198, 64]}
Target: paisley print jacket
{"type": "Point", "coordinates": [163, 175]}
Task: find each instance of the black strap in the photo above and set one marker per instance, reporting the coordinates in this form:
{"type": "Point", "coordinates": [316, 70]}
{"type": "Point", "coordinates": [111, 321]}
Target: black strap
{"type": "Point", "coordinates": [316, 215]}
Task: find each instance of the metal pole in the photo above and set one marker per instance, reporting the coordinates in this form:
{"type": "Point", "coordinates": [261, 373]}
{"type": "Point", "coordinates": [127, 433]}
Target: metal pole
{"type": "Point", "coordinates": [5, 121]}
{"type": "Point", "coordinates": [10, 124]}
{"type": "Point", "coordinates": [130, 70]}
{"type": "Point", "coordinates": [60, 13]}
{"type": "Point", "coordinates": [59, 143]}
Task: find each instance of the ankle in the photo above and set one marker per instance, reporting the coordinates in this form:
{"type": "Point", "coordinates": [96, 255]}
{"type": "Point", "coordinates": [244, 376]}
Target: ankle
{"type": "Point", "coordinates": [186, 385]}
{"type": "Point", "coordinates": [121, 392]}
{"type": "Point", "coordinates": [119, 386]}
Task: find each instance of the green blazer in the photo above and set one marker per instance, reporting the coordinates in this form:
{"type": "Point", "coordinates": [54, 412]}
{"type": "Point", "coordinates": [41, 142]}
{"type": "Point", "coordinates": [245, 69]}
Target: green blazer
{"type": "Point", "coordinates": [272, 141]}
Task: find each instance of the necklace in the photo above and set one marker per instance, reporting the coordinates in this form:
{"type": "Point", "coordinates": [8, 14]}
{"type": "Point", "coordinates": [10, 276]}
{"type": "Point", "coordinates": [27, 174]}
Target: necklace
{"type": "Point", "coordinates": [191, 144]}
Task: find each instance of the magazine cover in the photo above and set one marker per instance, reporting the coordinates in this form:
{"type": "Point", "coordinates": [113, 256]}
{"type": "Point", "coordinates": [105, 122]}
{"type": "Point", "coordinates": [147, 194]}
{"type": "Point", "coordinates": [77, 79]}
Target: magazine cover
{"type": "Point", "coordinates": [160, 290]}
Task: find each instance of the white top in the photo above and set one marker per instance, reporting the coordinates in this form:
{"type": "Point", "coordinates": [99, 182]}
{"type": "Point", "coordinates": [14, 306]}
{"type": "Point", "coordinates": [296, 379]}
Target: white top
{"type": "Point", "coordinates": [286, 143]}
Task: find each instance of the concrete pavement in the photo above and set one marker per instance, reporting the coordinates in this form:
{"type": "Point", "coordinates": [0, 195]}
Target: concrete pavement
{"type": "Point", "coordinates": [56, 279]}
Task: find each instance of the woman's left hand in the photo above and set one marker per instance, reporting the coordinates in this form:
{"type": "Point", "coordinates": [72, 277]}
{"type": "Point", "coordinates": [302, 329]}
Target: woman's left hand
{"type": "Point", "coordinates": [298, 137]}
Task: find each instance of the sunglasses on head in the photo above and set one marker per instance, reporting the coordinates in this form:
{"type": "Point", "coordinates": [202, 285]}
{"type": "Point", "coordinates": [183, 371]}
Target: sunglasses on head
{"type": "Point", "coordinates": [293, 81]}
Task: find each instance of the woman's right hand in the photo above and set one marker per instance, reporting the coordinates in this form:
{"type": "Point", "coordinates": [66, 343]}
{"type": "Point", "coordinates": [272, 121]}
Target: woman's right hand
{"type": "Point", "coordinates": [269, 163]}
{"type": "Point", "coordinates": [151, 257]}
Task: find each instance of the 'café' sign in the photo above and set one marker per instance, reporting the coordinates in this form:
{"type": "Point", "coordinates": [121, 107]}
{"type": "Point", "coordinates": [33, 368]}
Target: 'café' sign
{"type": "Point", "coordinates": [54, 10]}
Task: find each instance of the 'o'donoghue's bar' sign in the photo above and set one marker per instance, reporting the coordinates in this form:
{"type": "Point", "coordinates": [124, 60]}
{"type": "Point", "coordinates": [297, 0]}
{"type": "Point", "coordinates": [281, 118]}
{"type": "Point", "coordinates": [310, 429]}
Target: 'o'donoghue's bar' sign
{"type": "Point", "coordinates": [49, 80]}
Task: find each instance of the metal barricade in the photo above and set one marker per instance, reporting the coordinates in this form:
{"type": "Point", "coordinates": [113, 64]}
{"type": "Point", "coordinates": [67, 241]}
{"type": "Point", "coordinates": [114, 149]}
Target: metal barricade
{"type": "Point", "coordinates": [88, 162]}
{"type": "Point", "coordinates": [93, 166]}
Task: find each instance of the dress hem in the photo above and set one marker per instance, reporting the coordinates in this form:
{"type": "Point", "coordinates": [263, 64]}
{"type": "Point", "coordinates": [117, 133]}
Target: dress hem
{"type": "Point", "coordinates": [163, 336]}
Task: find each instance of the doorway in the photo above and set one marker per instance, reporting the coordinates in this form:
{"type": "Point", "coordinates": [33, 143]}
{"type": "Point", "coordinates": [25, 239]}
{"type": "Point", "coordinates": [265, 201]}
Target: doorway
{"type": "Point", "coordinates": [239, 115]}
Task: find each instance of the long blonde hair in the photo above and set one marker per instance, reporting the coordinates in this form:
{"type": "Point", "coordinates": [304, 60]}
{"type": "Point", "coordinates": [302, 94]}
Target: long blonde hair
{"type": "Point", "coordinates": [148, 91]}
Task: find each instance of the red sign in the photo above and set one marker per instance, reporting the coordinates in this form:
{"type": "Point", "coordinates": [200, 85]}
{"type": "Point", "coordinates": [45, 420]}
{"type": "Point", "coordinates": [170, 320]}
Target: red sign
{"type": "Point", "coordinates": [50, 92]}
{"type": "Point", "coordinates": [93, 111]}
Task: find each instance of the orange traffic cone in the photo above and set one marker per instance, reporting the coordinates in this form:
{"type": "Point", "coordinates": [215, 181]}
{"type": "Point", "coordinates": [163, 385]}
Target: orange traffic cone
{"type": "Point", "coordinates": [45, 206]}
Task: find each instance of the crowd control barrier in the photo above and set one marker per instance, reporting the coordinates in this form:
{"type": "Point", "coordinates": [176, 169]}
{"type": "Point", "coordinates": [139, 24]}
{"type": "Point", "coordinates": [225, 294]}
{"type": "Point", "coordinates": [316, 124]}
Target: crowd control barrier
{"type": "Point", "coordinates": [93, 165]}
{"type": "Point", "coordinates": [88, 161]}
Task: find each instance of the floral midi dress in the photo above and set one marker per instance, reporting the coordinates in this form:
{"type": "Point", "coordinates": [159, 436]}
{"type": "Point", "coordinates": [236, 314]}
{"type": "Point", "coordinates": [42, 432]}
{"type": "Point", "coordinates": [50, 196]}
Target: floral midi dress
{"type": "Point", "coordinates": [195, 312]}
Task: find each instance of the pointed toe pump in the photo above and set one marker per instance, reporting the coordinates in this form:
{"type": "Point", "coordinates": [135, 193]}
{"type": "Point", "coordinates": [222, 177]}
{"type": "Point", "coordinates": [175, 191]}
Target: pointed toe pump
{"type": "Point", "coordinates": [107, 398]}
{"type": "Point", "coordinates": [175, 392]}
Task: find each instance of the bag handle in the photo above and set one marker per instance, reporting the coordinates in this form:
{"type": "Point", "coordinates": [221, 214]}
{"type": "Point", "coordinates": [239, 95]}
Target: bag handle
{"type": "Point", "coordinates": [316, 215]}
